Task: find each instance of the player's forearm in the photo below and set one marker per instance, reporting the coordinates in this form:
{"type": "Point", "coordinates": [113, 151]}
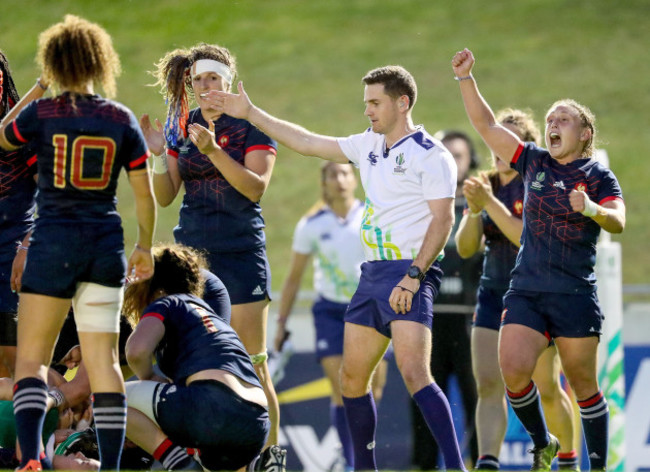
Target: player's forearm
{"type": "Point", "coordinates": [510, 225]}
{"type": "Point", "coordinates": [287, 299]}
{"type": "Point", "coordinates": [478, 111]}
{"type": "Point", "coordinates": [296, 137]}
{"type": "Point", "coordinates": [145, 211]}
{"type": "Point", "coordinates": [468, 236]}
{"type": "Point", "coordinates": [241, 178]}
{"type": "Point", "coordinates": [611, 220]}
{"type": "Point", "coordinates": [37, 91]}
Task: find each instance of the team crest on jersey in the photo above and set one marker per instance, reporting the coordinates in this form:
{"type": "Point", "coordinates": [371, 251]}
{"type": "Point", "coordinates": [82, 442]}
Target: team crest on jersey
{"type": "Point", "coordinates": [399, 160]}
{"type": "Point", "coordinates": [224, 140]}
{"type": "Point", "coordinates": [581, 187]}
{"type": "Point", "coordinates": [518, 207]}
{"type": "Point", "coordinates": [372, 158]}
{"type": "Point", "coordinates": [539, 178]}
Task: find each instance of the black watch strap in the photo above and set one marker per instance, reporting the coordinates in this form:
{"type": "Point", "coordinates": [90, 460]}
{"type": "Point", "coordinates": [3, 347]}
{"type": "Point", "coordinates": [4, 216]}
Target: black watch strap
{"type": "Point", "coordinates": [416, 273]}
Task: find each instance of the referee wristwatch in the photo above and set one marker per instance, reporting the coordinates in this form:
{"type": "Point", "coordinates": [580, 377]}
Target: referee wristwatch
{"type": "Point", "coordinates": [415, 273]}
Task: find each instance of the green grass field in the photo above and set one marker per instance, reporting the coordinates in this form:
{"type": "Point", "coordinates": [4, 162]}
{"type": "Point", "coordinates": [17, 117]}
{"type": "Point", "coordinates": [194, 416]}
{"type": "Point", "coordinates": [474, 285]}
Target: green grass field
{"type": "Point", "coordinates": [303, 60]}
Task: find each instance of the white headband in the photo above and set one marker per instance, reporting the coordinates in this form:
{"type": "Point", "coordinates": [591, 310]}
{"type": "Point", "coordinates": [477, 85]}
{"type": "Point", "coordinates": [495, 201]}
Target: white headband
{"type": "Point", "coordinates": [210, 65]}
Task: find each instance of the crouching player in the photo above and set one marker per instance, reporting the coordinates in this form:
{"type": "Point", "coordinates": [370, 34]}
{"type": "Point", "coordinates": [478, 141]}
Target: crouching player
{"type": "Point", "coordinates": [214, 402]}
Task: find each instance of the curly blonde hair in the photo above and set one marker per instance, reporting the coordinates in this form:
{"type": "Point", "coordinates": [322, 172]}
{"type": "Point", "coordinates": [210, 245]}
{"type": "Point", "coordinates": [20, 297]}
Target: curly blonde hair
{"type": "Point", "coordinates": [75, 51]}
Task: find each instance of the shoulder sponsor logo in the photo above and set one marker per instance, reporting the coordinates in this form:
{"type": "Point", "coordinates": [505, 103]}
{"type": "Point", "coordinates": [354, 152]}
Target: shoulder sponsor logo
{"type": "Point", "coordinates": [325, 236]}
{"type": "Point", "coordinates": [537, 185]}
{"type": "Point", "coordinates": [370, 446]}
{"type": "Point", "coordinates": [503, 314]}
{"type": "Point", "coordinates": [185, 146]}
{"type": "Point", "coordinates": [399, 160]}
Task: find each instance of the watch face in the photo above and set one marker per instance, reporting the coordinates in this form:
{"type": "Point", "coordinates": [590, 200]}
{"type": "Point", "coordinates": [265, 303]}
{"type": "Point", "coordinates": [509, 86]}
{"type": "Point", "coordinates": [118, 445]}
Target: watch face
{"type": "Point", "coordinates": [413, 272]}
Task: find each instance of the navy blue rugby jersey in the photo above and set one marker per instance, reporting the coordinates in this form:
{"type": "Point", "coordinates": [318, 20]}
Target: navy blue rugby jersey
{"type": "Point", "coordinates": [81, 142]}
{"type": "Point", "coordinates": [213, 215]}
{"type": "Point", "coordinates": [197, 339]}
{"type": "Point", "coordinates": [500, 253]}
{"type": "Point", "coordinates": [17, 190]}
{"type": "Point", "coordinates": [558, 250]}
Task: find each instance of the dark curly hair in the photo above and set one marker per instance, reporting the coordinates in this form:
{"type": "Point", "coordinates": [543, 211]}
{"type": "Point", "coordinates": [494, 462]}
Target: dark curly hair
{"type": "Point", "coordinates": [177, 269]}
{"type": "Point", "coordinates": [8, 92]}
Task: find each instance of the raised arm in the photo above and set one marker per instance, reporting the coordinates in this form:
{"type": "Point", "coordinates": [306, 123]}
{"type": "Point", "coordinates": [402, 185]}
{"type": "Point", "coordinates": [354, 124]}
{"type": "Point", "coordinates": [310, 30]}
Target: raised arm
{"type": "Point", "coordinates": [289, 134]}
{"type": "Point", "coordinates": [500, 140]}
{"type": "Point", "coordinates": [289, 293]}
{"type": "Point", "coordinates": [37, 91]}
{"type": "Point", "coordinates": [166, 179]}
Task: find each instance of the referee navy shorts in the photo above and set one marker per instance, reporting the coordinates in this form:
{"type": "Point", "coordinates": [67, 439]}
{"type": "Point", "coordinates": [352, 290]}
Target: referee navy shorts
{"type": "Point", "coordinates": [229, 431]}
{"type": "Point", "coordinates": [246, 275]}
{"type": "Point", "coordinates": [369, 305]}
{"type": "Point", "coordinates": [554, 314]}
{"type": "Point", "coordinates": [62, 255]}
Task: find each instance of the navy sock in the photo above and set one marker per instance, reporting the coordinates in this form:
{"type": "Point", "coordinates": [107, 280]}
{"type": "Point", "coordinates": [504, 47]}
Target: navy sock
{"type": "Point", "coordinates": [340, 422]}
{"type": "Point", "coordinates": [361, 413]}
{"type": "Point", "coordinates": [172, 456]}
{"type": "Point", "coordinates": [487, 462]}
{"type": "Point", "coordinates": [595, 423]}
{"type": "Point", "coordinates": [527, 405]}
{"type": "Point", "coordinates": [30, 403]}
{"type": "Point", "coordinates": [567, 460]}
{"type": "Point", "coordinates": [109, 410]}
{"type": "Point", "coordinates": [436, 412]}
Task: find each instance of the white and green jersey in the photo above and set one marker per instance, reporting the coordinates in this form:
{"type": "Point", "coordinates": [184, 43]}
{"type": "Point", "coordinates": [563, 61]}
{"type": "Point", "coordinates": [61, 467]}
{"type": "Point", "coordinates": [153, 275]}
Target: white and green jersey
{"type": "Point", "coordinates": [398, 182]}
{"type": "Point", "coordinates": [335, 245]}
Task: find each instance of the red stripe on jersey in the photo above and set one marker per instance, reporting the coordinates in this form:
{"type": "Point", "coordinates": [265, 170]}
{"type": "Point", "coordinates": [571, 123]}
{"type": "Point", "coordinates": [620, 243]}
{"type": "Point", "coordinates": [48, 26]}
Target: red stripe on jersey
{"type": "Point", "coordinates": [609, 199]}
{"type": "Point", "coordinates": [19, 136]}
{"type": "Point", "coordinates": [518, 152]}
{"type": "Point", "coordinates": [172, 153]}
{"type": "Point", "coordinates": [262, 147]}
{"type": "Point", "coordinates": [591, 401]}
{"type": "Point", "coordinates": [139, 160]}
{"type": "Point", "coordinates": [31, 161]}
{"type": "Point", "coordinates": [524, 392]}
{"type": "Point", "coordinates": [155, 315]}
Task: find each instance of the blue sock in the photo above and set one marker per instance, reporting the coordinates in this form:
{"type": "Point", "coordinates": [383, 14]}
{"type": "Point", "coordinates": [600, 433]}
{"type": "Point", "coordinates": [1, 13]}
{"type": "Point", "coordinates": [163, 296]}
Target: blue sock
{"type": "Point", "coordinates": [361, 413]}
{"type": "Point", "coordinates": [528, 407]}
{"type": "Point", "coordinates": [30, 402]}
{"type": "Point", "coordinates": [109, 410]}
{"type": "Point", "coordinates": [595, 423]}
{"type": "Point", "coordinates": [436, 412]}
{"type": "Point", "coordinates": [340, 422]}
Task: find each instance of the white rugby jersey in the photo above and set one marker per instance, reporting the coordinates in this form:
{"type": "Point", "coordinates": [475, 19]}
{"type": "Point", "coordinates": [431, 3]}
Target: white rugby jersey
{"type": "Point", "coordinates": [398, 184]}
{"type": "Point", "coordinates": [335, 245]}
